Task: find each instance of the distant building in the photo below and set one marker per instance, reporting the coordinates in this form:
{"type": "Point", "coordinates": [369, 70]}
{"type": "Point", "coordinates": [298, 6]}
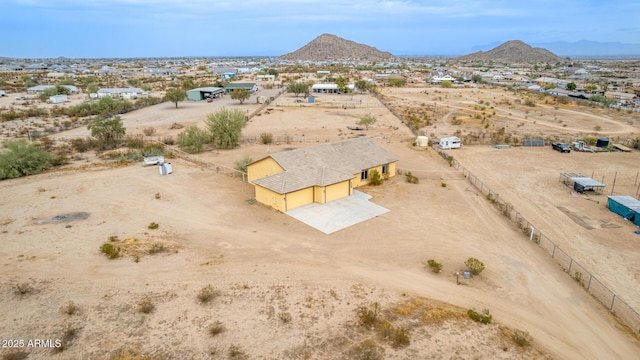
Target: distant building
{"type": "Point", "coordinates": [250, 87]}
{"type": "Point", "coordinates": [203, 93]}
{"type": "Point", "coordinates": [125, 93]}
{"type": "Point", "coordinates": [329, 88]}
{"type": "Point", "coordinates": [41, 88]}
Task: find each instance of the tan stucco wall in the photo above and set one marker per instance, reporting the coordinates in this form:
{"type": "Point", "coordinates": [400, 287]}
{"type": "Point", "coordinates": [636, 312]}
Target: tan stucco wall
{"type": "Point", "coordinates": [392, 172]}
{"type": "Point", "coordinates": [263, 168]}
{"type": "Point", "coordinates": [270, 198]}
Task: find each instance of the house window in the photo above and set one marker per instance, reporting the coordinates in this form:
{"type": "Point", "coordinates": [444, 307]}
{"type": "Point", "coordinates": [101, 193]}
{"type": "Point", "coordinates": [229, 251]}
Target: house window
{"type": "Point", "coordinates": [364, 175]}
{"type": "Point", "coordinates": [385, 169]}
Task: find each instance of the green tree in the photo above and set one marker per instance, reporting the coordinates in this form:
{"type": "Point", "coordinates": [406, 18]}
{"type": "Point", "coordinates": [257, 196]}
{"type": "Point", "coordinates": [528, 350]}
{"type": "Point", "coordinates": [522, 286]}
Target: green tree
{"type": "Point", "coordinates": [446, 84]}
{"type": "Point", "coordinates": [175, 95]}
{"type": "Point", "coordinates": [477, 79]}
{"type": "Point", "coordinates": [109, 131]}
{"type": "Point", "coordinates": [298, 88]}
{"type": "Point", "coordinates": [396, 82]}
{"type": "Point", "coordinates": [342, 84]}
{"type": "Point", "coordinates": [92, 88]}
{"type": "Point", "coordinates": [226, 127]}
{"type": "Point", "coordinates": [367, 121]}
{"type": "Point", "coordinates": [550, 86]}
{"type": "Point", "coordinates": [188, 84]}
{"type": "Point", "coordinates": [193, 139]}
{"type": "Point", "coordinates": [572, 86]}
{"type": "Point", "coordinates": [362, 85]}
{"type": "Point", "coordinates": [240, 95]}
{"type": "Point", "coordinates": [272, 72]}
{"type": "Point", "coordinates": [21, 158]}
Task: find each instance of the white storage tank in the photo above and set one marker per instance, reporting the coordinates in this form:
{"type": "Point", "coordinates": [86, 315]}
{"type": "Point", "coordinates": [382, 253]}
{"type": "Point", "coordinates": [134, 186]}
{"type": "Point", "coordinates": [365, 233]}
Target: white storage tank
{"type": "Point", "coordinates": [422, 141]}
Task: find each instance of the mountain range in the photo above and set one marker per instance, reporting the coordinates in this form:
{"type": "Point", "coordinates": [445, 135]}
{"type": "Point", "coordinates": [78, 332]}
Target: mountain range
{"type": "Point", "coordinates": [579, 48]}
{"type": "Point", "coordinates": [332, 47]}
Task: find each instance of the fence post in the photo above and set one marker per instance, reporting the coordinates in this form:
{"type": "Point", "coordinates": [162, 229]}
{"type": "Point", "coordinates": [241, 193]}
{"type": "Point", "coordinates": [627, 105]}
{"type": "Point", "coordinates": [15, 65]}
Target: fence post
{"type": "Point", "coordinates": [553, 254]}
{"type": "Point", "coordinates": [570, 264]}
{"type": "Point", "coordinates": [589, 285]}
{"type": "Point", "coordinates": [612, 301]}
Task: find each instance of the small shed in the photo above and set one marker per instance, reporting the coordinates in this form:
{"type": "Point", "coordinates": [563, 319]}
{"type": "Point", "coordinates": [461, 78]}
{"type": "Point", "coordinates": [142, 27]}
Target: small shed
{"type": "Point", "coordinates": [625, 206]}
{"type": "Point", "coordinates": [602, 142]}
{"type": "Point", "coordinates": [58, 99]}
{"type": "Point", "coordinates": [581, 183]}
{"type": "Point", "coordinates": [451, 142]}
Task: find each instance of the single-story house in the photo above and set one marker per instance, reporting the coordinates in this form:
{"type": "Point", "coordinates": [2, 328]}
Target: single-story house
{"type": "Point", "coordinates": [440, 78]}
{"type": "Point", "coordinates": [329, 88]}
{"type": "Point", "coordinates": [319, 174]}
{"type": "Point", "coordinates": [125, 93]}
{"type": "Point", "coordinates": [40, 88]}
{"type": "Point", "coordinates": [250, 87]}
{"type": "Point", "coordinates": [204, 93]}
{"type": "Point", "coordinates": [268, 77]}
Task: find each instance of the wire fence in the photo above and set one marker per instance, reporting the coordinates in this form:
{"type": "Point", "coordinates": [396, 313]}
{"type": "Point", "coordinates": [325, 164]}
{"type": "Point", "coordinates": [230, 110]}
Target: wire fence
{"type": "Point", "coordinates": [594, 286]}
{"type": "Point", "coordinates": [210, 166]}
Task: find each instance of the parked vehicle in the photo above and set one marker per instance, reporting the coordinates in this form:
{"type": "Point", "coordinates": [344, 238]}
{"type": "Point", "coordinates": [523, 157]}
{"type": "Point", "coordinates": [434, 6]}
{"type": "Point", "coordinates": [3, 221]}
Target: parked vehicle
{"type": "Point", "coordinates": [581, 146]}
{"type": "Point", "coordinates": [562, 147]}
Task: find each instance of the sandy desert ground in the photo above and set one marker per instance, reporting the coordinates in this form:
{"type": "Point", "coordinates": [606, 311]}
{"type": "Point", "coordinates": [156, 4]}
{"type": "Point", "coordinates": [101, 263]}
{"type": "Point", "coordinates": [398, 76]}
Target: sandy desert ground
{"type": "Point", "coordinates": [284, 290]}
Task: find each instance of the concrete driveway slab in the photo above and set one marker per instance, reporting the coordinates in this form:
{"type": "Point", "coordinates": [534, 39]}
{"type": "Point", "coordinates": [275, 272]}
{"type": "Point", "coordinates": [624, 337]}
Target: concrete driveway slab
{"type": "Point", "coordinates": [338, 214]}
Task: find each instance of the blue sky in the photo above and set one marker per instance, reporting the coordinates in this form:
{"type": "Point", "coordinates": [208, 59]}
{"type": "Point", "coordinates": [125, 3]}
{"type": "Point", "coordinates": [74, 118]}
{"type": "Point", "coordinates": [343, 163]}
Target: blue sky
{"type": "Point", "coordinates": [172, 28]}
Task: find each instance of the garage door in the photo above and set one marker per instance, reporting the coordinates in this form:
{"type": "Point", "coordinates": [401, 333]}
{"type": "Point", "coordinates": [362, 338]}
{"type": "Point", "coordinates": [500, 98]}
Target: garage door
{"type": "Point", "coordinates": [337, 191]}
{"type": "Point", "coordinates": [299, 198]}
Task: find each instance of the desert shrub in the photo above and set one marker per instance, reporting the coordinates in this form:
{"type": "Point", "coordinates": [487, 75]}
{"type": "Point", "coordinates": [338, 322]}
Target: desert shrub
{"type": "Point", "coordinates": [110, 251]}
{"type": "Point", "coordinates": [134, 141]}
{"type": "Point", "coordinates": [521, 338]}
{"type": "Point", "coordinates": [156, 248]}
{"type": "Point", "coordinates": [411, 178]}
{"type": "Point", "coordinates": [216, 328]}
{"type": "Point", "coordinates": [207, 294]}
{"type": "Point", "coordinates": [168, 140]}
{"type": "Point", "coordinates": [153, 225]}
{"type": "Point", "coordinates": [149, 131]}
{"type": "Point", "coordinates": [15, 354]}
{"type": "Point", "coordinates": [146, 306]}
{"type": "Point", "coordinates": [368, 317]}
{"type": "Point", "coordinates": [530, 102]}
{"type": "Point", "coordinates": [375, 178]}
{"type": "Point", "coordinates": [23, 288]}
{"type": "Point", "coordinates": [69, 308]}
{"type": "Point", "coordinates": [68, 334]}
{"type": "Point", "coordinates": [193, 139]}
{"type": "Point", "coordinates": [21, 158]}
{"type": "Point", "coordinates": [400, 338]}
{"type": "Point", "coordinates": [474, 265]}
{"type": "Point", "coordinates": [153, 149]}
{"type": "Point", "coordinates": [241, 165]}
{"type": "Point", "coordinates": [157, 196]}
{"type": "Point", "coordinates": [236, 352]}
{"type": "Point", "coordinates": [485, 317]}
{"type": "Point", "coordinates": [435, 266]}
{"type": "Point", "coordinates": [366, 350]}
{"type": "Point", "coordinates": [285, 317]}
{"type": "Point", "coordinates": [83, 144]}
{"type": "Point", "coordinates": [266, 138]}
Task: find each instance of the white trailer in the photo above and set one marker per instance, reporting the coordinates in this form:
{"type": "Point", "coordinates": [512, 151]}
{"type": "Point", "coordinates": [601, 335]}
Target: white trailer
{"type": "Point", "coordinates": [451, 142]}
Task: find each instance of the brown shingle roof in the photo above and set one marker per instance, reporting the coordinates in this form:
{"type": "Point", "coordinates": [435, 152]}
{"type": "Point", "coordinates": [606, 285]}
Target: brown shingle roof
{"type": "Point", "coordinates": [325, 164]}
